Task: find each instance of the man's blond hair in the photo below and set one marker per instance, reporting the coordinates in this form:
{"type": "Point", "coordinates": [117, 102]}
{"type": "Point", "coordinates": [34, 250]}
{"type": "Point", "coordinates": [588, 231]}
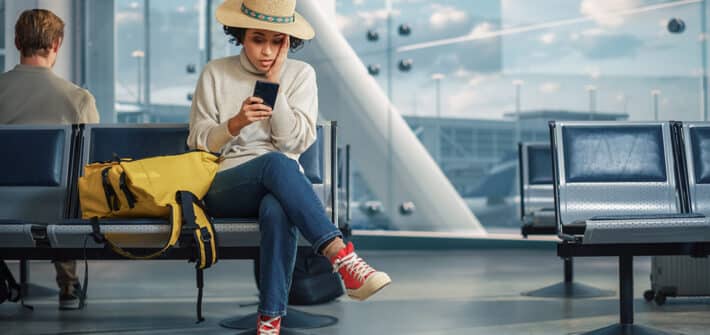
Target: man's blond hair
{"type": "Point", "coordinates": [36, 30]}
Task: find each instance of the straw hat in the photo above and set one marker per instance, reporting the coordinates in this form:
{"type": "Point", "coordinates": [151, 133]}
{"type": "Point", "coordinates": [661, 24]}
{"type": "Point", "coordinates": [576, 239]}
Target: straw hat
{"type": "Point", "coordinates": [274, 15]}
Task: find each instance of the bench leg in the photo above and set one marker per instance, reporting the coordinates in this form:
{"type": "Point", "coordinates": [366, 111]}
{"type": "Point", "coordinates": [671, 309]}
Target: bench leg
{"type": "Point", "coordinates": [28, 289]}
{"type": "Point", "coordinates": [293, 320]}
{"type": "Point", "coordinates": [626, 324]}
{"type": "Point", "coordinates": [568, 288]}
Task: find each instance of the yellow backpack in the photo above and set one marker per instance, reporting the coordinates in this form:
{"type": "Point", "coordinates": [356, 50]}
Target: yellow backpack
{"type": "Point", "coordinates": [157, 187]}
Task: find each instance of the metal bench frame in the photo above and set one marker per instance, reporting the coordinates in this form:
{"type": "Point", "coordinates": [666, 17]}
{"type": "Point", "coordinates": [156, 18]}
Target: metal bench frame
{"type": "Point", "coordinates": [247, 249]}
{"type": "Point", "coordinates": [572, 245]}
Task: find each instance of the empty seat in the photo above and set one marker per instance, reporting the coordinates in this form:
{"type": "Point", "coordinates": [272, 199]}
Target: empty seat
{"type": "Point", "coordinates": [537, 203]}
{"type": "Point", "coordinates": [617, 184]}
{"type": "Point", "coordinates": [33, 181]}
{"type": "Point", "coordinates": [696, 138]}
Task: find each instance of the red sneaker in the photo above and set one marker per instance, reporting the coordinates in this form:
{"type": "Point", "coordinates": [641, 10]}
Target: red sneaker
{"type": "Point", "coordinates": [361, 280]}
{"type": "Point", "coordinates": [267, 325]}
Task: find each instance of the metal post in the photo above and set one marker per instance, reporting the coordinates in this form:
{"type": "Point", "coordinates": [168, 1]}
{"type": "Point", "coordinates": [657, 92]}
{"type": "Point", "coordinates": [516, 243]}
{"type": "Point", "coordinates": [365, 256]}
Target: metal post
{"type": "Point", "coordinates": [626, 289]}
{"type": "Point", "coordinates": [655, 94]}
{"type": "Point", "coordinates": [518, 135]}
{"type": "Point", "coordinates": [704, 58]}
{"type": "Point", "coordinates": [390, 198]}
{"type": "Point", "coordinates": [146, 63]}
{"type": "Point", "coordinates": [208, 32]}
{"type": "Point", "coordinates": [348, 214]}
{"type": "Point", "coordinates": [569, 270]}
{"type": "Point", "coordinates": [438, 121]}
{"type": "Point", "coordinates": [24, 276]}
{"type": "Point", "coordinates": [592, 90]}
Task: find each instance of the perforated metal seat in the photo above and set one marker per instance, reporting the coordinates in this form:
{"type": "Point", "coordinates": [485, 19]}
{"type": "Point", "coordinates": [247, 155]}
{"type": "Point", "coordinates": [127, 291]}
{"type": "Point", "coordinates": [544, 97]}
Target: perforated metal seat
{"type": "Point", "coordinates": [616, 183]}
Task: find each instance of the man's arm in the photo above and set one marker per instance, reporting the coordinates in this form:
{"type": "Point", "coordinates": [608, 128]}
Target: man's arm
{"type": "Point", "coordinates": [87, 110]}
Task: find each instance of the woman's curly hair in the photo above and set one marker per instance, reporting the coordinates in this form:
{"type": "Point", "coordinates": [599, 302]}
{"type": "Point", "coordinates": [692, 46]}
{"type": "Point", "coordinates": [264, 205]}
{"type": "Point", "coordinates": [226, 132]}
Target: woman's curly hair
{"type": "Point", "coordinates": [237, 37]}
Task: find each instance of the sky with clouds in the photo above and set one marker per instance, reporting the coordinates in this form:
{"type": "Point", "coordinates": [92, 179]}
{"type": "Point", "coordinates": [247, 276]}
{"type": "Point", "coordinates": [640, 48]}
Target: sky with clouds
{"type": "Point", "coordinates": [560, 49]}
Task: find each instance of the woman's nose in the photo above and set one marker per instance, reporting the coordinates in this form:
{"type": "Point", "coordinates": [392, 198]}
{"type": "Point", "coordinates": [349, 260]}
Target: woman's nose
{"type": "Point", "coordinates": [266, 51]}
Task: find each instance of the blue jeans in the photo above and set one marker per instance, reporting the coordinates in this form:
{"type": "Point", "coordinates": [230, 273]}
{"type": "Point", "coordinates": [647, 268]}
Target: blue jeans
{"type": "Point", "coordinates": [272, 188]}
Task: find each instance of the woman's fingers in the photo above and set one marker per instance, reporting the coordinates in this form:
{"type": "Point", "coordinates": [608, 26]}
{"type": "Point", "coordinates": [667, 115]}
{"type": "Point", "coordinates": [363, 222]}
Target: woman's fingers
{"type": "Point", "coordinates": [257, 107]}
{"type": "Point", "coordinates": [258, 115]}
{"type": "Point", "coordinates": [253, 100]}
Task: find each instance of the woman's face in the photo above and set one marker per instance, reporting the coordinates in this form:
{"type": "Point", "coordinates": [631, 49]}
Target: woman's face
{"type": "Point", "coordinates": [262, 46]}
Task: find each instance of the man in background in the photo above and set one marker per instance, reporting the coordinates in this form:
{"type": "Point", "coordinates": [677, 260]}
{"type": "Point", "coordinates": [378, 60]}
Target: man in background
{"type": "Point", "coordinates": [32, 94]}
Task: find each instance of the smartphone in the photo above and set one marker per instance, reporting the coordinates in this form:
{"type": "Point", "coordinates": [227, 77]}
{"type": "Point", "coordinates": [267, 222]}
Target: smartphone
{"type": "Point", "coordinates": [266, 91]}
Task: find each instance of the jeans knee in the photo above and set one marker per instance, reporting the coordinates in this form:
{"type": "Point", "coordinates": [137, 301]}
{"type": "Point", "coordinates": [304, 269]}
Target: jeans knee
{"type": "Point", "coordinates": [279, 161]}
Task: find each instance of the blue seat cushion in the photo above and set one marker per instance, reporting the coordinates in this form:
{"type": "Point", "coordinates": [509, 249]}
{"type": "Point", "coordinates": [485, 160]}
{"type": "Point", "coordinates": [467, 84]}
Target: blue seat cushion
{"type": "Point", "coordinates": [136, 143]}
{"type": "Point", "coordinates": [539, 165]}
{"type": "Point", "coordinates": [700, 145]}
{"type": "Point", "coordinates": [33, 157]}
{"type": "Point", "coordinates": [630, 153]}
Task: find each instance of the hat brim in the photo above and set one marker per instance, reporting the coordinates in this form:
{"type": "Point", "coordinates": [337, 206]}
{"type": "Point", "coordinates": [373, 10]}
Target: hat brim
{"type": "Point", "coordinates": [230, 15]}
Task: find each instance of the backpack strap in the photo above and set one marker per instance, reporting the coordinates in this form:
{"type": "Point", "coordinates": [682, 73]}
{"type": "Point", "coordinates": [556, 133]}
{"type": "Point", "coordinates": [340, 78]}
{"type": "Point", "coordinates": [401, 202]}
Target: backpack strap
{"type": "Point", "coordinates": [14, 290]}
{"type": "Point", "coordinates": [196, 223]}
{"type": "Point", "coordinates": [175, 224]}
{"type": "Point", "coordinates": [199, 226]}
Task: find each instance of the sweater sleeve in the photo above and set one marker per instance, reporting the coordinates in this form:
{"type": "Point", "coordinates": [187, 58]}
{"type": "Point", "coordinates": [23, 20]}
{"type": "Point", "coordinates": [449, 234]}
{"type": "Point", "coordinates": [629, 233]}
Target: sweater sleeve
{"type": "Point", "coordinates": [293, 122]}
{"type": "Point", "coordinates": [206, 133]}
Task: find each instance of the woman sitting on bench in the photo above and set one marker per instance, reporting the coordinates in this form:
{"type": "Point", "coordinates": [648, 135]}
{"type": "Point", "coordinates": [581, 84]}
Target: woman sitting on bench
{"type": "Point", "coordinates": [260, 175]}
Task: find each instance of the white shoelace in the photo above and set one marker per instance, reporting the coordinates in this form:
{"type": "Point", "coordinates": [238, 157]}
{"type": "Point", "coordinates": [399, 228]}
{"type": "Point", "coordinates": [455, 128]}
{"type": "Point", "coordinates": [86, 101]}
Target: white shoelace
{"type": "Point", "coordinates": [355, 265]}
{"type": "Point", "coordinates": [263, 325]}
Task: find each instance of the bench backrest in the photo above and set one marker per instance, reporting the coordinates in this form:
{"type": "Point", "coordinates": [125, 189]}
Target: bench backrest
{"type": "Point", "coordinates": [103, 142]}
{"type": "Point", "coordinates": [535, 161]}
{"type": "Point", "coordinates": [35, 173]}
{"type": "Point", "coordinates": [696, 143]}
{"type": "Point", "coordinates": [613, 168]}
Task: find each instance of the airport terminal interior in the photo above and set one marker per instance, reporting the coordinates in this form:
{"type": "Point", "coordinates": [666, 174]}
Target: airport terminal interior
{"type": "Point", "coordinates": [508, 166]}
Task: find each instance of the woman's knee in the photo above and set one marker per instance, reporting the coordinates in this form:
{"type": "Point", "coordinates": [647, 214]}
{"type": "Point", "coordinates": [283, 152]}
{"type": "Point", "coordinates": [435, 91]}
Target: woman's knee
{"type": "Point", "coordinates": [278, 160]}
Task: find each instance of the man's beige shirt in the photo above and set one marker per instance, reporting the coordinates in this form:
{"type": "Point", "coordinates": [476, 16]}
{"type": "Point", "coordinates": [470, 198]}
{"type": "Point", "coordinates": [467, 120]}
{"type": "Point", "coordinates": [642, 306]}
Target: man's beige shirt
{"type": "Point", "coordinates": [35, 95]}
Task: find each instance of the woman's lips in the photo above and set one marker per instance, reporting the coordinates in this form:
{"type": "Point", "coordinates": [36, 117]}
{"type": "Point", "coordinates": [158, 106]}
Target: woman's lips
{"type": "Point", "coordinates": [265, 63]}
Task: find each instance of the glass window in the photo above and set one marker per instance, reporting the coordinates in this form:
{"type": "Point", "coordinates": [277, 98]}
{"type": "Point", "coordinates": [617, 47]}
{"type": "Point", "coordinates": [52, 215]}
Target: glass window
{"type": "Point", "coordinates": [503, 69]}
{"type": "Point", "coordinates": [157, 72]}
{"type": "Point", "coordinates": [2, 36]}
{"type": "Point", "coordinates": [130, 58]}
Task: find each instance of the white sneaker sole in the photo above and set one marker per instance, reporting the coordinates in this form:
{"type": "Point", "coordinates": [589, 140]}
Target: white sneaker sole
{"type": "Point", "coordinates": [373, 284]}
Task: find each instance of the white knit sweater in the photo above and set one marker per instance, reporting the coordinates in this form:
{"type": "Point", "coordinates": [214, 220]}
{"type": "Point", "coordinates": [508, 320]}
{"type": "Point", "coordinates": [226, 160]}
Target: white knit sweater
{"type": "Point", "coordinates": [225, 83]}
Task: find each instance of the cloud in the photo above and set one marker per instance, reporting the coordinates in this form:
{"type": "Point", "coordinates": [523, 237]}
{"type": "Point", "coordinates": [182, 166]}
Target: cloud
{"type": "Point", "coordinates": [549, 87]}
{"type": "Point", "coordinates": [602, 10]}
{"type": "Point", "coordinates": [481, 29]}
{"type": "Point", "coordinates": [462, 73]}
{"type": "Point", "coordinates": [478, 79]}
{"type": "Point", "coordinates": [128, 17]}
{"type": "Point", "coordinates": [372, 17]}
{"type": "Point", "coordinates": [442, 16]}
{"type": "Point", "coordinates": [548, 38]}
{"type": "Point", "coordinates": [343, 22]}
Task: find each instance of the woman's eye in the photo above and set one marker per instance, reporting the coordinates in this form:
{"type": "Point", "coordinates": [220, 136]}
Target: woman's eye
{"type": "Point", "coordinates": [257, 40]}
{"type": "Point", "coordinates": [277, 42]}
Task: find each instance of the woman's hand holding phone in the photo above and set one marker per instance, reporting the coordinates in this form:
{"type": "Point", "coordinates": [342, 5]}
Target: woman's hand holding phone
{"type": "Point", "coordinates": [273, 74]}
{"type": "Point", "coordinates": [253, 110]}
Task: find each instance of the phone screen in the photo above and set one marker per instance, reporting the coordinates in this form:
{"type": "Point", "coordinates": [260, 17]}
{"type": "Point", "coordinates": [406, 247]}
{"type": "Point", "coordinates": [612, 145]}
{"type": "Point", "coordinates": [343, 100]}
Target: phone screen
{"type": "Point", "coordinates": [266, 91]}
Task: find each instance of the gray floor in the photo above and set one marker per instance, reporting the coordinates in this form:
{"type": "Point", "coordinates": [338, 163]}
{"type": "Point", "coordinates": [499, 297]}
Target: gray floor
{"type": "Point", "coordinates": [436, 292]}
